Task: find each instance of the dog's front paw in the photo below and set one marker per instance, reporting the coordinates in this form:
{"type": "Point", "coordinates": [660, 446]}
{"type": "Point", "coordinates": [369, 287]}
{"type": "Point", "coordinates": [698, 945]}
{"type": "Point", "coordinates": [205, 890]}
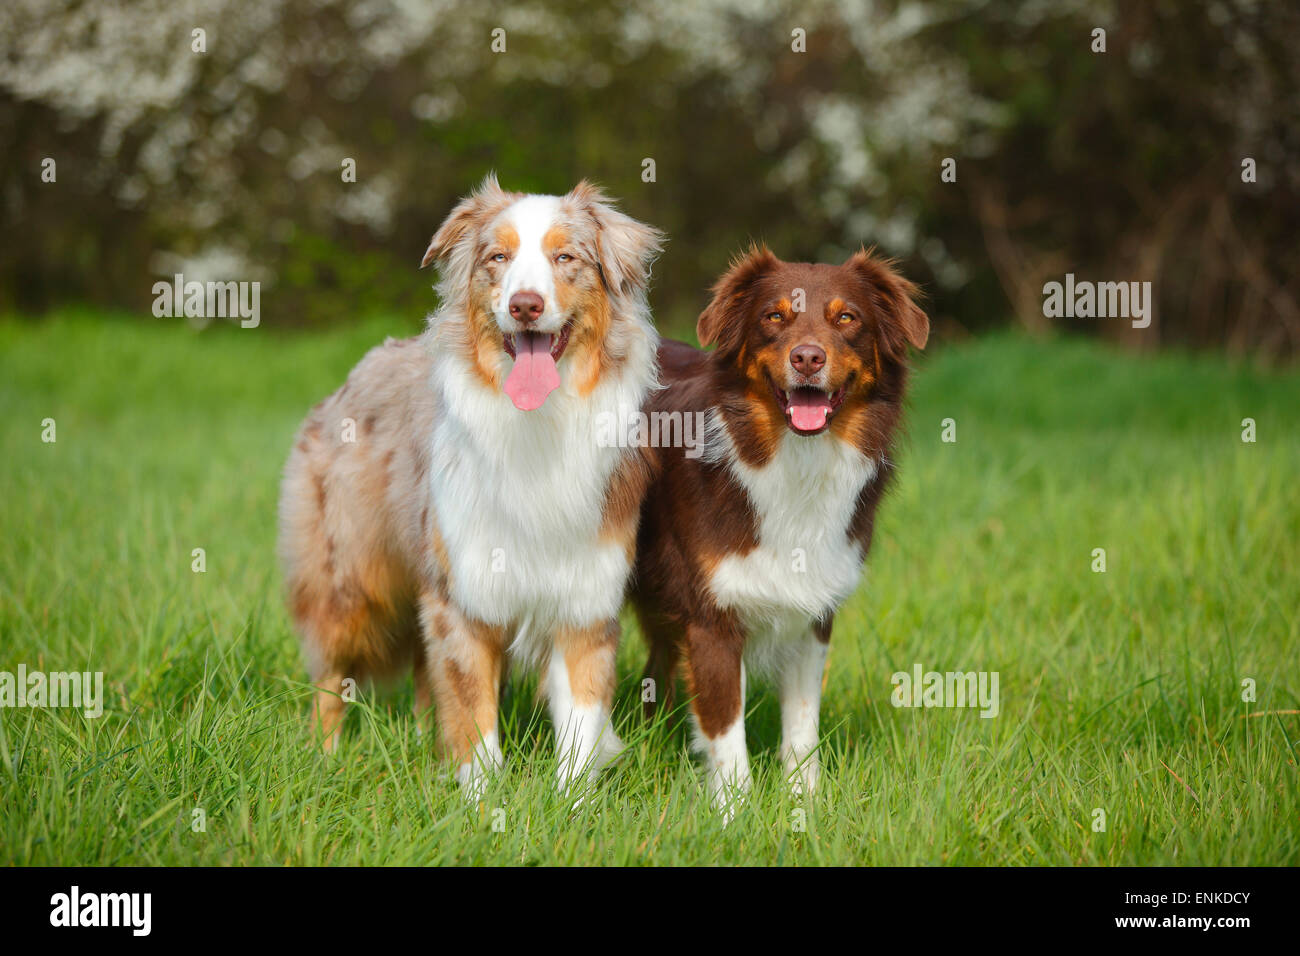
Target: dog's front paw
{"type": "Point", "coordinates": [608, 749]}
{"type": "Point", "coordinates": [476, 772]}
{"type": "Point", "coordinates": [573, 777]}
{"type": "Point", "coordinates": [801, 776]}
{"type": "Point", "coordinates": [729, 790]}
{"type": "Point", "coordinates": [473, 779]}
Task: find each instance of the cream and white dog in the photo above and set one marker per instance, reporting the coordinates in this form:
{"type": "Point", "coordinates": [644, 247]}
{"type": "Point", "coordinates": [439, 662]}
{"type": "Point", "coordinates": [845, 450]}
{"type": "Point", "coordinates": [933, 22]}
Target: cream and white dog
{"type": "Point", "coordinates": [450, 507]}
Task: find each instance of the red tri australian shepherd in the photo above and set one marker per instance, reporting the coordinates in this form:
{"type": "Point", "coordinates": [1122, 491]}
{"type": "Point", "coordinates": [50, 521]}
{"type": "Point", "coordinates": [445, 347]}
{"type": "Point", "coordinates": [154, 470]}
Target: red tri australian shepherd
{"type": "Point", "coordinates": [746, 552]}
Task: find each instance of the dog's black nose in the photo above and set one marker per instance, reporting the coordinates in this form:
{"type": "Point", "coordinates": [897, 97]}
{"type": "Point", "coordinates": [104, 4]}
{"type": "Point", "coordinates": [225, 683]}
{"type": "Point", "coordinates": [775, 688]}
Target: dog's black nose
{"type": "Point", "coordinates": [526, 307]}
{"type": "Point", "coordinates": [807, 359]}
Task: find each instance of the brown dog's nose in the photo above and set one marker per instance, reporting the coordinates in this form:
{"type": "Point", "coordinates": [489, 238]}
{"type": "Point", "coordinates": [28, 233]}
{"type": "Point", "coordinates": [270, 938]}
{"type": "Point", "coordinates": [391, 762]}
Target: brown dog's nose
{"type": "Point", "coordinates": [526, 307]}
{"type": "Point", "coordinates": [808, 359]}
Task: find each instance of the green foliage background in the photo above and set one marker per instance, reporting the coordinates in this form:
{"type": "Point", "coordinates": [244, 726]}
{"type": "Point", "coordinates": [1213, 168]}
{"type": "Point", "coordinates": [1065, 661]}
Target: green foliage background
{"type": "Point", "coordinates": [1122, 165]}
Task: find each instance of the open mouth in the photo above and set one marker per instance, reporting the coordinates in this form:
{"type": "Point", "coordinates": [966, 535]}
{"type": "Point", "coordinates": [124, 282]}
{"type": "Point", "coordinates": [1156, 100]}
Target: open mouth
{"type": "Point", "coordinates": [808, 410]}
{"type": "Point", "coordinates": [534, 375]}
{"type": "Point", "coordinates": [555, 343]}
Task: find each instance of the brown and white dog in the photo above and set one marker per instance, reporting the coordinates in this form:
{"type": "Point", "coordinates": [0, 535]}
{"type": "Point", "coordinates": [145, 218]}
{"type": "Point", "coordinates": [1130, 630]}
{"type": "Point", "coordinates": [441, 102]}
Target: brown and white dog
{"type": "Point", "coordinates": [449, 507]}
{"type": "Point", "coordinates": [746, 552]}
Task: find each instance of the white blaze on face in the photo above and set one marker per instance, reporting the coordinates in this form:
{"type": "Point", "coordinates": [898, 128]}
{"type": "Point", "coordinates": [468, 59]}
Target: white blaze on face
{"type": "Point", "coordinates": [531, 269]}
{"type": "Point", "coordinates": [534, 375]}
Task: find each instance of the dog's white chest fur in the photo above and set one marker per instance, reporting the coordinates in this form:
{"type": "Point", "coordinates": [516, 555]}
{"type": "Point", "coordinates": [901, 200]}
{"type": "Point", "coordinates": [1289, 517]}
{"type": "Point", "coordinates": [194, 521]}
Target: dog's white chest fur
{"type": "Point", "coordinates": [805, 564]}
{"type": "Point", "coordinates": [519, 498]}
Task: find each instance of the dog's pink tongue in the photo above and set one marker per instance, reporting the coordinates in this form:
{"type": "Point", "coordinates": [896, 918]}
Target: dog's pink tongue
{"type": "Point", "coordinates": [808, 409]}
{"type": "Point", "coordinates": [534, 375]}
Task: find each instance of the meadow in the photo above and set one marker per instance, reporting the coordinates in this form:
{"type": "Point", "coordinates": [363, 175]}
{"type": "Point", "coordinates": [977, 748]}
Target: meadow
{"type": "Point", "coordinates": [1148, 712]}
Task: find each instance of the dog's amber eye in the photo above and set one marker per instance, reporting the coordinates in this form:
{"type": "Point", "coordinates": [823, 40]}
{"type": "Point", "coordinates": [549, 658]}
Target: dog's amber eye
{"type": "Point", "coordinates": [775, 317]}
{"type": "Point", "coordinates": [499, 257]}
{"type": "Point", "coordinates": [564, 257]}
{"type": "Point", "coordinates": [845, 318]}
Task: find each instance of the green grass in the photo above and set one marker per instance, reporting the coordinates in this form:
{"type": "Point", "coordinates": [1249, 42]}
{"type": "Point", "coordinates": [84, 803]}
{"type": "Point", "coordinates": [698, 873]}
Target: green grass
{"type": "Point", "coordinates": [1120, 691]}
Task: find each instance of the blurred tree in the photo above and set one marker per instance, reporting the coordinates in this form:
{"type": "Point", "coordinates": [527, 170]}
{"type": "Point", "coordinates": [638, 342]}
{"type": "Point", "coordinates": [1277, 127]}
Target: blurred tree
{"type": "Point", "coordinates": [228, 163]}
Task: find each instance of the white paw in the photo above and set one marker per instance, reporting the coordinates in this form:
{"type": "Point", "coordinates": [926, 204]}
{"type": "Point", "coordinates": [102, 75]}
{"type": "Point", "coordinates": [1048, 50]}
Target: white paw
{"type": "Point", "coordinates": [473, 779]}
{"type": "Point", "coordinates": [802, 776]}
{"type": "Point", "coordinates": [729, 790]}
{"type": "Point", "coordinates": [608, 749]}
{"type": "Point", "coordinates": [473, 775]}
{"type": "Point", "coordinates": [580, 764]}
{"type": "Point", "coordinates": [728, 803]}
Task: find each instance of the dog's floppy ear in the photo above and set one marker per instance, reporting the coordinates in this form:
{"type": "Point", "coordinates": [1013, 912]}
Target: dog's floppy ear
{"type": "Point", "coordinates": [895, 297]}
{"type": "Point", "coordinates": [468, 212]}
{"type": "Point", "coordinates": [625, 247]}
{"type": "Point", "coordinates": [722, 321]}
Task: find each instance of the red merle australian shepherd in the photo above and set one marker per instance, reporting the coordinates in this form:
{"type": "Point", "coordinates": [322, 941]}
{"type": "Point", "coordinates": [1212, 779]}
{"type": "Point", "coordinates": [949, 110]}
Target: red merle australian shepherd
{"type": "Point", "coordinates": [448, 511]}
{"type": "Point", "coordinates": [746, 552]}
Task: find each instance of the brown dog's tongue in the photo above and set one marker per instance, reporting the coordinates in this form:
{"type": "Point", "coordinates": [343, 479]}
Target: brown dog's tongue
{"type": "Point", "coordinates": [808, 409]}
{"type": "Point", "coordinates": [534, 375]}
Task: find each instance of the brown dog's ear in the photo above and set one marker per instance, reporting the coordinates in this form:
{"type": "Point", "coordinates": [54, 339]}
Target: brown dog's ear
{"type": "Point", "coordinates": [469, 211]}
{"type": "Point", "coordinates": [896, 298]}
{"type": "Point", "coordinates": [722, 321]}
{"type": "Point", "coordinates": [625, 247]}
